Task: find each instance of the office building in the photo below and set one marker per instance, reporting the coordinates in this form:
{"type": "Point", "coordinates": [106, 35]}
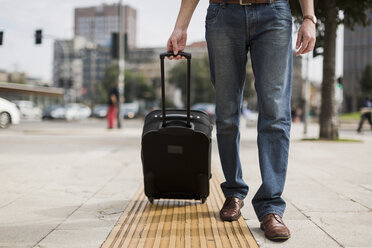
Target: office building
{"type": "Point", "coordinates": [97, 23]}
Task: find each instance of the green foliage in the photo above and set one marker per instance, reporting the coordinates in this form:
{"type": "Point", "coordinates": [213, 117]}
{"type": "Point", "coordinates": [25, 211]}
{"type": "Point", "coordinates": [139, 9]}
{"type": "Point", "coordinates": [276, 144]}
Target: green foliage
{"type": "Point", "coordinates": [19, 81]}
{"type": "Point", "coordinates": [354, 116]}
{"type": "Point", "coordinates": [201, 86]}
{"type": "Point", "coordinates": [135, 85]}
{"type": "Point", "coordinates": [366, 81]}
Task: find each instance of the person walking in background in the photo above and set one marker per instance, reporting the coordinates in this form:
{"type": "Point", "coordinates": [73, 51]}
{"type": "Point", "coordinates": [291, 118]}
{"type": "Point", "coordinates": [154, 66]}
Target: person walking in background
{"type": "Point", "coordinates": [113, 101]}
{"type": "Point", "coordinates": [264, 29]}
{"type": "Point", "coordinates": [365, 114]}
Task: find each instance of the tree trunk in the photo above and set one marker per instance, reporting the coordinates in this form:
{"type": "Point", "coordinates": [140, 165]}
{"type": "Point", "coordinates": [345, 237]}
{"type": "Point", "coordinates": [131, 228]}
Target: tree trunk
{"type": "Point", "coordinates": [328, 115]}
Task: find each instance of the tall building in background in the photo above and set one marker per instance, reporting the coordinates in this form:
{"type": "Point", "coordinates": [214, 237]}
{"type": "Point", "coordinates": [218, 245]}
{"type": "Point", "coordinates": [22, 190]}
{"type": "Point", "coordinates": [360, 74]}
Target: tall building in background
{"type": "Point", "coordinates": [97, 23]}
{"type": "Point", "coordinates": [357, 54]}
{"type": "Point", "coordinates": [79, 64]}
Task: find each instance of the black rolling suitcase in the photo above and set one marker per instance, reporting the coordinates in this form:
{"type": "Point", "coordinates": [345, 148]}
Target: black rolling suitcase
{"type": "Point", "coordinates": [176, 149]}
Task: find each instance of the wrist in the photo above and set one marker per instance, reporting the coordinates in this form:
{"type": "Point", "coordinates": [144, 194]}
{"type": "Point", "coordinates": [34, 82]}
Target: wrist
{"type": "Point", "coordinates": [180, 28]}
{"type": "Point", "coordinates": [311, 18]}
{"type": "Point", "coordinates": [307, 21]}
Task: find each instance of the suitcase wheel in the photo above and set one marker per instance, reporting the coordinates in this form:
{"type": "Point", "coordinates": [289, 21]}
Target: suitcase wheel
{"type": "Point", "coordinates": [203, 199]}
{"type": "Point", "coordinates": [151, 200]}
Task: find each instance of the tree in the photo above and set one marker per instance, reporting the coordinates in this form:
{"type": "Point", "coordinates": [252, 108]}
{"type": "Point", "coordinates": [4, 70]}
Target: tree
{"type": "Point", "coordinates": [135, 85]}
{"type": "Point", "coordinates": [201, 87]}
{"type": "Point", "coordinates": [366, 81]}
{"type": "Point", "coordinates": [330, 15]}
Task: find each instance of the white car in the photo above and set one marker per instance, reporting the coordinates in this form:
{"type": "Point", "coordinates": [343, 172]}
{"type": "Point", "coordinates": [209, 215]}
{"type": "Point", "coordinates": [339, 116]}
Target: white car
{"type": "Point", "coordinates": [77, 111]}
{"type": "Point", "coordinates": [28, 110]}
{"type": "Point", "coordinates": [9, 114]}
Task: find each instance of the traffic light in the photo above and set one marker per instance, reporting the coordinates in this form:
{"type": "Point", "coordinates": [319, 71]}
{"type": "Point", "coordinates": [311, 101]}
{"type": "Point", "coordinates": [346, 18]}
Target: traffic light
{"type": "Point", "coordinates": [1, 37]}
{"type": "Point", "coordinates": [115, 45]}
{"type": "Point", "coordinates": [38, 36]}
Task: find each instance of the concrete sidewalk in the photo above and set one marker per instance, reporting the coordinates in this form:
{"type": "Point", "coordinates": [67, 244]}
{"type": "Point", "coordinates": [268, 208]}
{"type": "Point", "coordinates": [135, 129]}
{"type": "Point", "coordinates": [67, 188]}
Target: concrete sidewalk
{"type": "Point", "coordinates": [66, 187]}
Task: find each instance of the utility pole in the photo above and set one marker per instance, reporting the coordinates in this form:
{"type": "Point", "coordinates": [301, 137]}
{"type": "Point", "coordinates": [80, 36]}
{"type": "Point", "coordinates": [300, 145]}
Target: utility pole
{"type": "Point", "coordinates": [121, 65]}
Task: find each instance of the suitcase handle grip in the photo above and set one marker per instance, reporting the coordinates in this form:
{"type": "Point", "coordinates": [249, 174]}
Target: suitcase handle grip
{"type": "Point", "coordinates": [188, 56]}
{"type": "Point", "coordinates": [168, 54]}
{"type": "Point", "coordinates": [177, 117]}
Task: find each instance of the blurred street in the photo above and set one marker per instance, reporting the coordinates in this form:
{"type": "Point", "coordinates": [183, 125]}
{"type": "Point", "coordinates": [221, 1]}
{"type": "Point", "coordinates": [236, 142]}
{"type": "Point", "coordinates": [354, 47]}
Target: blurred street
{"type": "Point", "coordinates": [65, 184]}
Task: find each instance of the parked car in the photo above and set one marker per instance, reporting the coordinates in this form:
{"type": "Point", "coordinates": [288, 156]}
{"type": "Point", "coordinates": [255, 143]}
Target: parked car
{"type": "Point", "coordinates": [28, 109]}
{"type": "Point", "coordinates": [56, 111]}
{"type": "Point", "coordinates": [71, 111]}
{"type": "Point", "coordinates": [100, 111]}
{"type": "Point", "coordinates": [9, 113]}
{"type": "Point", "coordinates": [209, 108]}
{"type": "Point", "coordinates": [77, 111]}
{"type": "Point", "coordinates": [130, 110]}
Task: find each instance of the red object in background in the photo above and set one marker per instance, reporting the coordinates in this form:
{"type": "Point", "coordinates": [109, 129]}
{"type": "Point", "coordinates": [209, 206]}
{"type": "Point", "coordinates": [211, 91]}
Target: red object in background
{"type": "Point", "coordinates": [111, 116]}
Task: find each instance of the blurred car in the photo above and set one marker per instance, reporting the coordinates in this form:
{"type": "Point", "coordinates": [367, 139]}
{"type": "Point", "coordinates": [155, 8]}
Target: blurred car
{"type": "Point", "coordinates": [130, 110]}
{"type": "Point", "coordinates": [208, 108]}
{"type": "Point", "coordinates": [71, 111]}
{"type": "Point", "coordinates": [100, 111]}
{"type": "Point", "coordinates": [28, 109]}
{"type": "Point", "coordinates": [77, 111]}
{"type": "Point", "coordinates": [56, 111]}
{"type": "Point", "coordinates": [9, 113]}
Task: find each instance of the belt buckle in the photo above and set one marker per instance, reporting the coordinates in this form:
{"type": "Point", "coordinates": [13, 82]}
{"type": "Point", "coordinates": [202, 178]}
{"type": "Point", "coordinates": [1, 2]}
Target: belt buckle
{"type": "Point", "coordinates": [241, 3]}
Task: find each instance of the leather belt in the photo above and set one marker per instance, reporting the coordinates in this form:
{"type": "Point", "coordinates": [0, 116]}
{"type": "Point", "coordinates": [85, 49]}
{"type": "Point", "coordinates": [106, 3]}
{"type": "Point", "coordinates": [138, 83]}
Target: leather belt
{"type": "Point", "coordinates": [242, 2]}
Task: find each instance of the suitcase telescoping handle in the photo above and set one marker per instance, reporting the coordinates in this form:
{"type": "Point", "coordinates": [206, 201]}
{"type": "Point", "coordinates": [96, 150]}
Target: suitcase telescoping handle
{"type": "Point", "coordinates": [188, 57]}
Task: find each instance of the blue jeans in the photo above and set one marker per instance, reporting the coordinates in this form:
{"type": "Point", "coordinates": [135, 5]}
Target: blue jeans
{"type": "Point", "coordinates": [265, 31]}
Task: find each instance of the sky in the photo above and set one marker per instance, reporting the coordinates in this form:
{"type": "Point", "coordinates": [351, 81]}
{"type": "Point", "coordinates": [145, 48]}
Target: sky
{"type": "Point", "coordinates": [155, 21]}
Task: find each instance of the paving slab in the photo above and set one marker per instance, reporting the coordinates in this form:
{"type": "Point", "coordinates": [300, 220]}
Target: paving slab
{"type": "Point", "coordinates": [66, 186]}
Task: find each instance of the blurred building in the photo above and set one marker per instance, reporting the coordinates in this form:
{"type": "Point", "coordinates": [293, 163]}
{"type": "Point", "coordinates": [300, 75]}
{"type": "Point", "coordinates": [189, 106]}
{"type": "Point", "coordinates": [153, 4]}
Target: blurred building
{"type": "Point", "coordinates": [63, 61]}
{"type": "Point", "coordinates": [357, 54]}
{"type": "Point", "coordinates": [78, 67]}
{"type": "Point", "coordinates": [97, 23]}
{"type": "Point", "coordinates": [79, 64]}
{"type": "Point", "coordinates": [41, 96]}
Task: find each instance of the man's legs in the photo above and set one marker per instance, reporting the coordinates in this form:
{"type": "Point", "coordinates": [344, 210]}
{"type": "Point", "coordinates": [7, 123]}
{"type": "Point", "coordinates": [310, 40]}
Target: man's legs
{"type": "Point", "coordinates": [362, 118]}
{"type": "Point", "coordinates": [271, 55]}
{"type": "Point", "coordinates": [227, 47]}
{"type": "Point", "coordinates": [369, 119]}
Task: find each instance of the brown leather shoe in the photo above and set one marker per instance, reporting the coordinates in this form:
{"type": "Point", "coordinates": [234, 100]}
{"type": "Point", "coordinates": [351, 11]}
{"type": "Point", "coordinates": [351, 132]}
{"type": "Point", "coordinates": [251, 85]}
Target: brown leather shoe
{"type": "Point", "coordinates": [274, 227]}
{"type": "Point", "coordinates": [231, 209]}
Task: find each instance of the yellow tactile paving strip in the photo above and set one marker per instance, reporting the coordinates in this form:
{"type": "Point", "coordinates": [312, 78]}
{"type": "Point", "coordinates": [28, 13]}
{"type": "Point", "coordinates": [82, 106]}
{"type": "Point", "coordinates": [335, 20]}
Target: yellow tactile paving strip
{"type": "Point", "coordinates": [178, 223]}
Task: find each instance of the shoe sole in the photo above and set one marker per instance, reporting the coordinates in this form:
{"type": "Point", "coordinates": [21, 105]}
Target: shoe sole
{"type": "Point", "coordinates": [278, 238]}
